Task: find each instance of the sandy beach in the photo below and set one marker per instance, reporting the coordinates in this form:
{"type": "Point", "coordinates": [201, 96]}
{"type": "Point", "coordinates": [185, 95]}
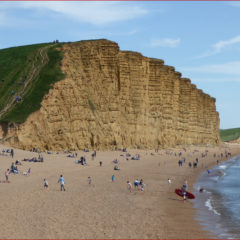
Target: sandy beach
{"type": "Point", "coordinates": [103, 209]}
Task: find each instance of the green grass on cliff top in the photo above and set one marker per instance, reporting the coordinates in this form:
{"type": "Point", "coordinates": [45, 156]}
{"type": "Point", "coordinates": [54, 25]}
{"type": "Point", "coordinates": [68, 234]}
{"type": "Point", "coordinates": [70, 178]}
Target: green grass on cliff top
{"type": "Point", "coordinates": [228, 135]}
{"type": "Point", "coordinates": [16, 65]}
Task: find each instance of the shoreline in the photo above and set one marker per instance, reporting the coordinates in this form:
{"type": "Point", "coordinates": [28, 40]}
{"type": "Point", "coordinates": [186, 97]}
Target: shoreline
{"type": "Point", "coordinates": [211, 214]}
{"type": "Point", "coordinates": [201, 233]}
{"type": "Point", "coordinates": [104, 209]}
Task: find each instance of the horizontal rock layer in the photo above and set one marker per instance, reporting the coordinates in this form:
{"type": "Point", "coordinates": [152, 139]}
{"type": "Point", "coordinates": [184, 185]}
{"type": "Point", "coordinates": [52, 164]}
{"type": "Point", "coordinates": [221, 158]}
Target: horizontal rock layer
{"type": "Point", "coordinates": [112, 98]}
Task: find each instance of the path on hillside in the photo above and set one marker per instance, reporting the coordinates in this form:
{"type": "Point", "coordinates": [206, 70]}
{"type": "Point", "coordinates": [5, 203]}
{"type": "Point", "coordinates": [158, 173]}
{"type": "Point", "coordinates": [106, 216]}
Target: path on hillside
{"type": "Point", "coordinates": [34, 71]}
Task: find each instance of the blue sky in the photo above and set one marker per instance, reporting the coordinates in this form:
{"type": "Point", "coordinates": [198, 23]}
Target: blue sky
{"type": "Point", "coordinates": [200, 39]}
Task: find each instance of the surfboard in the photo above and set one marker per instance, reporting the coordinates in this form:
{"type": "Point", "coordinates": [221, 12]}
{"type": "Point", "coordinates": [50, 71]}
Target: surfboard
{"type": "Point", "coordinates": [188, 194]}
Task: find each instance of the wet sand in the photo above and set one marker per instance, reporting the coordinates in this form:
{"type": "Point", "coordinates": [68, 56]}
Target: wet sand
{"type": "Point", "coordinates": [104, 209]}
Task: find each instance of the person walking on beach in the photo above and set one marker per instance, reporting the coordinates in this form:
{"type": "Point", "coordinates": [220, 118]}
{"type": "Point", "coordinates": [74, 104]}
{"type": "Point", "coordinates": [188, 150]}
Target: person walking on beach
{"type": "Point", "coordinates": [45, 183]}
{"type": "Point", "coordinates": [6, 174]}
{"type": "Point", "coordinates": [136, 184]}
{"type": "Point", "coordinates": [185, 185]}
{"type": "Point", "coordinates": [12, 153]}
{"type": "Point", "coordinates": [129, 186]}
{"type": "Point", "coordinates": [141, 185]}
{"type": "Point", "coordinates": [169, 181]}
{"type": "Point", "coordinates": [113, 178]}
{"type": "Point", "coordinates": [89, 180]}
{"type": "Point", "coordinates": [100, 163]}
{"type": "Point", "coordinates": [184, 194]}
{"type": "Point", "coordinates": [184, 190]}
{"type": "Point", "coordinates": [62, 183]}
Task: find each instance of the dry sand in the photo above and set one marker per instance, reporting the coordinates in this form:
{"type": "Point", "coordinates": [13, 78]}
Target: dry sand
{"type": "Point", "coordinates": [104, 209]}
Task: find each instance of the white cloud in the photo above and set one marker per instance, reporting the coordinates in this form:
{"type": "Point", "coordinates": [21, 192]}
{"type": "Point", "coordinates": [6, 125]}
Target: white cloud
{"type": "Point", "coordinates": [165, 42]}
{"type": "Point", "coordinates": [222, 44]}
{"type": "Point", "coordinates": [219, 46]}
{"type": "Point", "coordinates": [230, 68]}
{"type": "Point", "coordinates": [96, 13]}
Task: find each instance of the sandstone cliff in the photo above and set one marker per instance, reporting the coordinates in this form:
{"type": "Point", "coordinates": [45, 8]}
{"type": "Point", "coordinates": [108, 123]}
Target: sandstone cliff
{"type": "Point", "coordinates": [112, 98]}
{"type": "Point", "coordinates": [235, 141]}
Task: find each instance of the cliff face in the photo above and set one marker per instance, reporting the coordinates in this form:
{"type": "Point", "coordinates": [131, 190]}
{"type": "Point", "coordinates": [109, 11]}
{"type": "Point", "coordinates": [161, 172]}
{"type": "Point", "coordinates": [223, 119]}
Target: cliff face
{"type": "Point", "coordinates": [112, 98]}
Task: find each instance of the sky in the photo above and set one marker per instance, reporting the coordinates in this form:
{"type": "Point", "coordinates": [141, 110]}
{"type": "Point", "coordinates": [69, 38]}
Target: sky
{"type": "Point", "coordinates": [200, 39]}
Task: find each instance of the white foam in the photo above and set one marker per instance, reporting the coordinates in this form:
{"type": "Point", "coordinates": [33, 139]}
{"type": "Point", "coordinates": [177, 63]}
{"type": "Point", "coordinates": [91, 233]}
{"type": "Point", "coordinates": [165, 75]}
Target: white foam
{"type": "Point", "coordinates": [208, 192]}
{"type": "Point", "coordinates": [225, 236]}
{"type": "Point", "coordinates": [223, 166]}
{"type": "Point", "coordinates": [210, 207]}
{"type": "Point", "coordinates": [215, 178]}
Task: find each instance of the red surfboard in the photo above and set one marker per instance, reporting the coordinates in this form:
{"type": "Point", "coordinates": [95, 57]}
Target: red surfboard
{"type": "Point", "coordinates": [188, 194]}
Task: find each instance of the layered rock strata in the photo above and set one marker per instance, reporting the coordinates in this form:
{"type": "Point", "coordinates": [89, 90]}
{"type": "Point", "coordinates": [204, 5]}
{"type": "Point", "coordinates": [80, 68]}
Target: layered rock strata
{"type": "Point", "coordinates": [114, 99]}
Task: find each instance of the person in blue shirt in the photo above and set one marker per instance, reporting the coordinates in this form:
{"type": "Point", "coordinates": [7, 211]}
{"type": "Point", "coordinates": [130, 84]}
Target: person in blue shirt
{"type": "Point", "coordinates": [62, 183]}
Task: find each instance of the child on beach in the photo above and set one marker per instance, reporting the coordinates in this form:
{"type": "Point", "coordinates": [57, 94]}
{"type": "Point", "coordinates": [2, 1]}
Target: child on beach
{"type": "Point", "coordinates": [169, 181]}
{"type": "Point", "coordinates": [185, 185]}
{"type": "Point", "coordinates": [6, 175]}
{"type": "Point", "coordinates": [129, 186]}
{"type": "Point", "coordinates": [89, 180]}
{"type": "Point", "coordinates": [62, 183]}
{"type": "Point", "coordinates": [136, 184]}
{"type": "Point", "coordinates": [184, 196]}
{"type": "Point", "coordinates": [141, 185]}
{"type": "Point", "coordinates": [45, 183]}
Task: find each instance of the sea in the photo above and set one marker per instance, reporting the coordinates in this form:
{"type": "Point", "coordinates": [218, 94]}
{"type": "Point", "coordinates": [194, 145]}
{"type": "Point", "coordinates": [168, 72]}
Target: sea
{"type": "Point", "coordinates": [218, 205]}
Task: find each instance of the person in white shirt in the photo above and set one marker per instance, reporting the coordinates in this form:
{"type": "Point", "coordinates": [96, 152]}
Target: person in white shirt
{"type": "Point", "coordinates": [129, 186]}
{"type": "Point", "coordinates": [169, 181]}
{"type": "Point", "coordinates": [45, 183]}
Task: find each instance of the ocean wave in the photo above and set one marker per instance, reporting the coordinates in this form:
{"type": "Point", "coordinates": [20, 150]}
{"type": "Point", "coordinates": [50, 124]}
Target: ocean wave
{"type": "Point", "coordinates": [223, 166]}
{"type": "Point", "coordinates": [210, 207]}
{"type": "Point", "coordinates": [215, 178]}
{"type": "Point", "coordinates": [222, 173]}
{"type": "Point", "coordinates": [208, 192]}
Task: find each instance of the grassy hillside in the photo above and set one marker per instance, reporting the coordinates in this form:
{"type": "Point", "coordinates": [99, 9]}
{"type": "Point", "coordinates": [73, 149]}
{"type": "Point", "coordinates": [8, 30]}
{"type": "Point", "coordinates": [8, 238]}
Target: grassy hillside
{"type": "Point", "coordinates": [228, 135]}
{"type": "Point", "coordinates": [27, 73]}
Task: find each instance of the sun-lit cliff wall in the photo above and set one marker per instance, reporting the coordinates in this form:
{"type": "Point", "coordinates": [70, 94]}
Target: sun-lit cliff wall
{"type": "Point", "coordinates": [112, 98]}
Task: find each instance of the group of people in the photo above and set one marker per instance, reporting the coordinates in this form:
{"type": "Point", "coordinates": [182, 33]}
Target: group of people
{"type": "Point", "coordinates": [82, 160]}
{"type": "Point", "coordinates": [14, 170]}
{"type": "Point", "coordinates": [138, 185]}
{"type": "Point", "coordinates": [10, 151]}
{"type": "Point", "coordinates": [34, 159]}
{"type": "Point", "coordinates": [61, 180]}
